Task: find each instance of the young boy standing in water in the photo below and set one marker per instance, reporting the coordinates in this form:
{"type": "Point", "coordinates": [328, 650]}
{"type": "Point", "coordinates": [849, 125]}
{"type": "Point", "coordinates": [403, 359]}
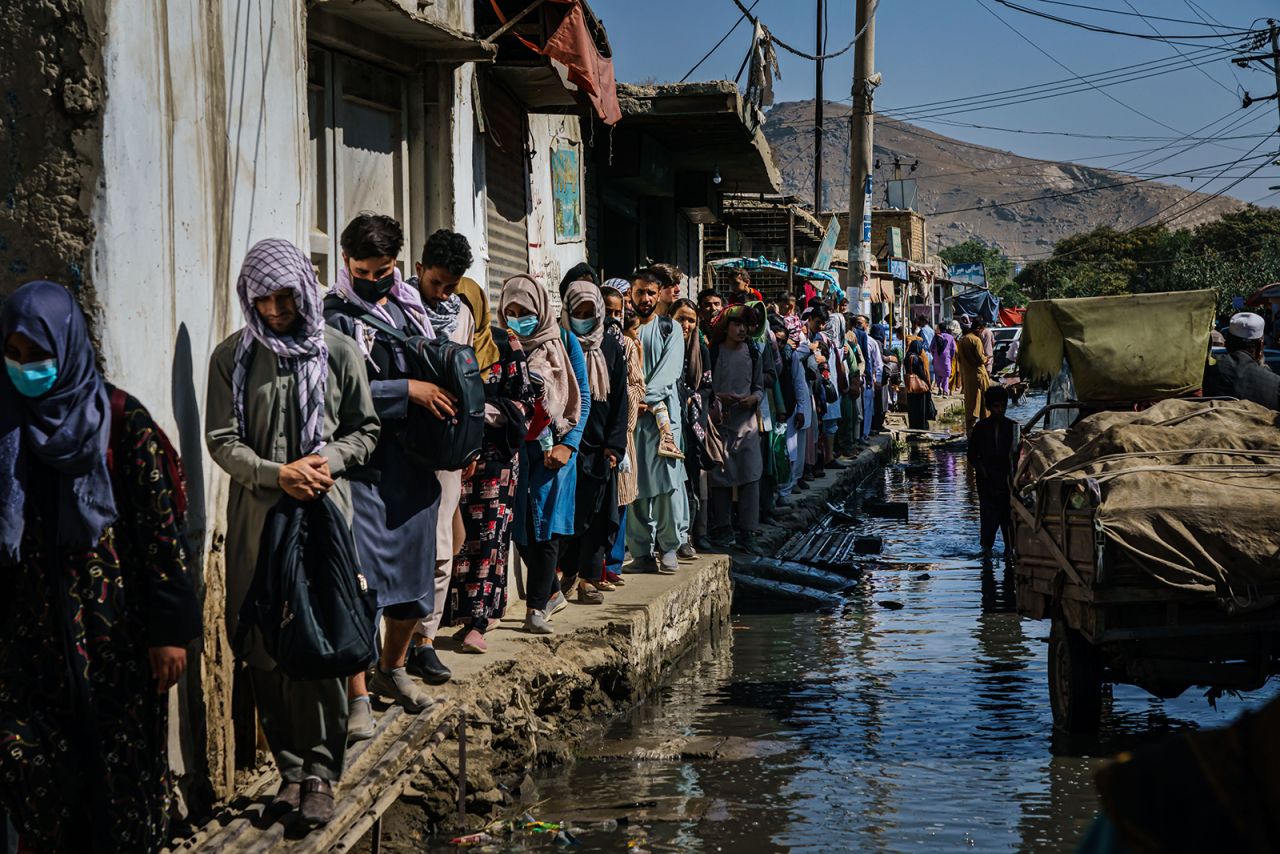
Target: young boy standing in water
{"type": "Point", "coordinates": [993, 447]}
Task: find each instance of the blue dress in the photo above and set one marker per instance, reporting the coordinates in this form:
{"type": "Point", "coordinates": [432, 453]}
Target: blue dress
{"type": "Point", "coordinates": [551, 496]}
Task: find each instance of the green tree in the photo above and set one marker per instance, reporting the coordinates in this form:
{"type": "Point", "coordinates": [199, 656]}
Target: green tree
{"type": "Point", "coordinates": [1233, 274]}
{"type": "Point", "coordinates": [1234, 255]}
{"type": "Point", "coordinates": [1105, 261]}
{"type": "Point", "coordinates": [1237, 234]}
{"type": "Point", "coordinates": [999, 268]}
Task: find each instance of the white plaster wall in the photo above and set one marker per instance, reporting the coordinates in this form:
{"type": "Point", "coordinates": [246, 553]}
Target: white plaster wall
{"type": "Point", "coordinates": [465, 160]}
{"type": "Point", "coordinates": [203, 155]}
{"type": "Point", "coordinates": [549, 260]}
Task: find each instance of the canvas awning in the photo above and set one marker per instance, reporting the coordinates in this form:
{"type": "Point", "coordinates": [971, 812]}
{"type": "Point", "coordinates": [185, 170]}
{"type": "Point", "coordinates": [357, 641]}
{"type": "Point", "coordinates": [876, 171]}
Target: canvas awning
{"type": "Point", "coordinates": [978, 303]}
{"type": "Point", "coordinates": [576, 46]}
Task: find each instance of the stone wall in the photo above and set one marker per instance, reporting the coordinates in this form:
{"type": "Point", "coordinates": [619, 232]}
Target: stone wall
{"type": "Point", "coordinates": [51, 99]}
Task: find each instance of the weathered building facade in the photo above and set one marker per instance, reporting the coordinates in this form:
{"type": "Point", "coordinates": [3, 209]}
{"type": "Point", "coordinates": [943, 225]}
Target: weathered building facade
{"type": "Point", "coordinates": [146, 145]}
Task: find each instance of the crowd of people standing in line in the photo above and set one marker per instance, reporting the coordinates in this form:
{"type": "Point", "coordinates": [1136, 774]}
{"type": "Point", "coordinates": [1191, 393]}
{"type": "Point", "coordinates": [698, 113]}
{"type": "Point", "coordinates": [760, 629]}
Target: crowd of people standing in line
{"type": "Point", "coordinates": [631, 421]}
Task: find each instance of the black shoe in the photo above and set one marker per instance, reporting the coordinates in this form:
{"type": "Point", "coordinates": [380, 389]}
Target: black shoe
{"type": "Point", "coordinates": [800, 484]}
{"type": "Point", "coordinates": [317, 802]}
{"type": "Point", "coordinates": [424, 663]}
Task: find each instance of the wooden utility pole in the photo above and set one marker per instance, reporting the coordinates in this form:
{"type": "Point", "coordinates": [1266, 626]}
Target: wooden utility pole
{"type": "Point", "coordinates": [861, 127]}
{"type": "Point", "coordinates": [818, 110]}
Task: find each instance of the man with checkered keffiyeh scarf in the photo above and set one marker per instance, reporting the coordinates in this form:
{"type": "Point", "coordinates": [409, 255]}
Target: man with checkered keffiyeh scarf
{"type": "Point", "coordinates": [288, 412]}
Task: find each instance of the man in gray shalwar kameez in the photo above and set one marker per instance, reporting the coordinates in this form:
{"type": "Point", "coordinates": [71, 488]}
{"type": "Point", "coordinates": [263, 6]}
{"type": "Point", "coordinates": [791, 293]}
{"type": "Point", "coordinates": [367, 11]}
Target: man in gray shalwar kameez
{"type": "Point", "coordinates": [288, 412]}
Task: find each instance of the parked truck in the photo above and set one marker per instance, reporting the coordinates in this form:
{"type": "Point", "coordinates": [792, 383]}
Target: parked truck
{"type": "Point", "coordinates": [1147, 531]}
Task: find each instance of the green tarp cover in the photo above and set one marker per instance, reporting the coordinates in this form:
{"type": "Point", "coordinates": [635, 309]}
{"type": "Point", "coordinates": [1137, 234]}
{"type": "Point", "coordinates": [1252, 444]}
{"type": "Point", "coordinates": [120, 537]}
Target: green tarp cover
{"type": "Point", "coordinates": [1188, 490]}
{"type": "Point", "coordinates": [1131, 347]}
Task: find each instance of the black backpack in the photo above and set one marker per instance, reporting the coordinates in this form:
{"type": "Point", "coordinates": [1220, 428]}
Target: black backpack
{"type": "Point", "coordinates": [439, 444]}
{"type": "Point", "coordinates": [308, 598]}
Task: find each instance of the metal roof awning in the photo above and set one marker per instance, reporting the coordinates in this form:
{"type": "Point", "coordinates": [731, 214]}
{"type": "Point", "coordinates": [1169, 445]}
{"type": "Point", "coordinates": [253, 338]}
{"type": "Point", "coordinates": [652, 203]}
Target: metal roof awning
{"type": "Point", "coordinates": [363, 27]}
{"type": "Point", "coordinates": [769, 217]}
{"type": "Point", "coordinates": [707, 127]}
{"type": "Point", "coordinates": [750, 264]}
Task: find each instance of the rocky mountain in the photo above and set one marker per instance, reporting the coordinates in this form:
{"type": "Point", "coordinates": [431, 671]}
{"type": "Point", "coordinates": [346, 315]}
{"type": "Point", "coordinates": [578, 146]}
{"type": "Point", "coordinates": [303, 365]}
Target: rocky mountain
{"type": "Point", "coordinates": [954, 176]}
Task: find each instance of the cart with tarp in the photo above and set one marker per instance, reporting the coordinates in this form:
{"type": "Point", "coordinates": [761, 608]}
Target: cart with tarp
{"type": "Point", "coordinates": [1148, 531]}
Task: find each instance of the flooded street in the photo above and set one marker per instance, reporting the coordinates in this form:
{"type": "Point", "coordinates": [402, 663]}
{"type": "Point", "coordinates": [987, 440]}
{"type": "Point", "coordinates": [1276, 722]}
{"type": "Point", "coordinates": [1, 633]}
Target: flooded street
{"type": "Point", "coordinates": [877, 727]}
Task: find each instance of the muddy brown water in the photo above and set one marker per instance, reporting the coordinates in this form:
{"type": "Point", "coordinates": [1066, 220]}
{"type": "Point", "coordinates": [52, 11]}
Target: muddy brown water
{"type": "Point", "coordinates": [867, 729]}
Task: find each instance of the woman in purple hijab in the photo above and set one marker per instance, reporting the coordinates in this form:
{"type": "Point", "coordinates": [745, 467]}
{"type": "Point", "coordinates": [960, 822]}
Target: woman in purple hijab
{"type": "Point", "coordinates": [98, 607]}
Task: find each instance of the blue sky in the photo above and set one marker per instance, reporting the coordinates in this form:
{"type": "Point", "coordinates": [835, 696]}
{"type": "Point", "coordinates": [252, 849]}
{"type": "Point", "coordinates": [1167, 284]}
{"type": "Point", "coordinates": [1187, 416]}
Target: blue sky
{"type": "Point", "coordinates": [945, 50]}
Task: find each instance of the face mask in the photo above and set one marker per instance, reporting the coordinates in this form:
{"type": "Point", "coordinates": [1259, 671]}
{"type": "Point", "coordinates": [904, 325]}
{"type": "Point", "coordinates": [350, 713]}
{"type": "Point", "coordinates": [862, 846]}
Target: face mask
{"type": "Point", "coordinates": [373, 291]}
{"type": "Point", "coordinates": [33, 378]}
{"type": "Point", "coordinates": [523, 326]}
{"type": "Point", "coordinates": [581, 326]}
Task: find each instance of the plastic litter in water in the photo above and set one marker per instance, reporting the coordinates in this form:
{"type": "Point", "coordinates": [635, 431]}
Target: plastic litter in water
{"type": "Point", "coordinates": [472, 839]}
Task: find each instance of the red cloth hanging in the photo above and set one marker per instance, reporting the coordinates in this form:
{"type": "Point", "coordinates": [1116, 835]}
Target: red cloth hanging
{"type": "Point", "coordinates": [573, 46]}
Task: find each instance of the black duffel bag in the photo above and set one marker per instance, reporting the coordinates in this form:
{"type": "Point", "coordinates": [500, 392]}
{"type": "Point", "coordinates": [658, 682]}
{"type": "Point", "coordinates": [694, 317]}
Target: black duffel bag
{"type": "Point", "coordinates": [308, 599]}
{"type": "Point", "coordinates": [439, 444]}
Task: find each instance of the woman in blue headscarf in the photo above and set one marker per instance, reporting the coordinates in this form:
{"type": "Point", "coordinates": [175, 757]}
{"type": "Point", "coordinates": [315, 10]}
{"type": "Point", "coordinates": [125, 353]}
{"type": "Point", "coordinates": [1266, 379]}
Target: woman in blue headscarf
{"type": "Point", "coordinates": [98, 607]}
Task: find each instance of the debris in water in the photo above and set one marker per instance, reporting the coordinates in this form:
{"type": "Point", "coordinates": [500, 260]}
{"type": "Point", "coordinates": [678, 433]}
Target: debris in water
{"type": "Point", "coordinates": [868, 545]}
{"type": "Point", "coordinates": [472, 839]}
{"type": "Point", "coordinates": [840, 513]}
{"type": "Point", "coordinates": [527, 823]}
{"type": "Point", "coordinates": [924, 576]}
{"type": "Point", "coordinates": [564, 837]}
{"type": "Point", "coordinates": [891, 604]}
{"type": "Point", "coordinates": [886, 509]}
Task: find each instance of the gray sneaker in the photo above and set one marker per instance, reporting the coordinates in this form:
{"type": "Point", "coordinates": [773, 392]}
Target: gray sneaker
{"type": "Point", "coordinates": [643, 564]}
{"type": "Point", "coordinates": [399, 687]}
{"type": "Point", "coordinates": [359, 720]}
{"type": "Point", "coordinates": [669, 563]}
{"type": "Point", "coordinates": [535, 622]}
{"type": "Point", "coordinates": [556, 604]}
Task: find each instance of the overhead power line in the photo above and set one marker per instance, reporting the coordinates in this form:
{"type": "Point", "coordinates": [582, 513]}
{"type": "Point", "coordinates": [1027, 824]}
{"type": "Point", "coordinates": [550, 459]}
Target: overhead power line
{"type": "Point", "coordinates": [1069, 70]}
{"type": "Point", "coordinates": [1097, 28]}
{"type": "Point", "coordinates": [1207, 18]}
{"type": "Point", "coordinates": [1136, 14]}
{"type": "Point", "coordinates": [746, 13]}
{"type": "Point", "coordinates": [1160, 213]}
{"type": "Point", "coordinates": [1178, 50]}
{"type": "Point", "coordinates": [737, 21]}
{"type": "Point", "coordinates": [1117, 184]}
{"type": "Point", "coordinates": [1167, 64]}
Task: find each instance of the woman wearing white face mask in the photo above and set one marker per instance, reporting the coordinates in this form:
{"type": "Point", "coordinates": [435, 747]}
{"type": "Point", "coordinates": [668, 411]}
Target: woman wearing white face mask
{"type": "Point", "coordinates": [546, 497]}
{"type": "Point", "coordinates": [604, 441]}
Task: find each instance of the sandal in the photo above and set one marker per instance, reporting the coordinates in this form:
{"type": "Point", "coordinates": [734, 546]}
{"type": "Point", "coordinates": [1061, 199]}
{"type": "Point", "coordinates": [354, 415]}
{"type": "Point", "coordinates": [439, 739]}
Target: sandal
{"type": "Point", "coordinates": [474, 642]}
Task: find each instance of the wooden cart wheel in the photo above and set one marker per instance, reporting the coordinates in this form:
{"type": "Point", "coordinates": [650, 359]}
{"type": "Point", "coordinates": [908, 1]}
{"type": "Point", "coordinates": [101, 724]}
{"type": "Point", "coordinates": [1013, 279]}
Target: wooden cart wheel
{"type": "Point", "coordinates": [1075, 680]}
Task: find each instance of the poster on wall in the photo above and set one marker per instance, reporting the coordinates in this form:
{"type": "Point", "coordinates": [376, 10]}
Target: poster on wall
{"type": "Point", "coordinates": [566, 194]}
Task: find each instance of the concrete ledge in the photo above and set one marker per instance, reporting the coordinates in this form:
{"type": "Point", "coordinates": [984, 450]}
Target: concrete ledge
{"type": "Point", "coordinates": [526, 701]}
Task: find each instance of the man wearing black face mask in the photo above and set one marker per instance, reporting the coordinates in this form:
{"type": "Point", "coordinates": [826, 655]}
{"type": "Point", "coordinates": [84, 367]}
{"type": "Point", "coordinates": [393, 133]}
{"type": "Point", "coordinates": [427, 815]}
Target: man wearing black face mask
{"type": "Point", "coordinates": [397, 503]}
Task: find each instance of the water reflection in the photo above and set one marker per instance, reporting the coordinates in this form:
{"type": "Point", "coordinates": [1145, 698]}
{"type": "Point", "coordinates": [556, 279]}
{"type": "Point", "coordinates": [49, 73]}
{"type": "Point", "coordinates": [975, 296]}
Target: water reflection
{"type": "Point", "coordinates": [924, 727]}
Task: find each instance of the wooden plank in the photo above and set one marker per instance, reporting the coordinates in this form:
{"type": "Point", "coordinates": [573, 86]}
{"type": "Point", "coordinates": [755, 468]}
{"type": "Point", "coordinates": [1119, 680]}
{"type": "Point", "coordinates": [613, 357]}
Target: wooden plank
{"type": "Point", "coordinates": [1045, 537]}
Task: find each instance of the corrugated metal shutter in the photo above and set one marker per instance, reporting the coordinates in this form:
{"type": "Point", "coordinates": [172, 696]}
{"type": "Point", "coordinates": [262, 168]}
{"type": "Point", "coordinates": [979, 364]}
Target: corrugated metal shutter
{"type": "Point", "coordinates": [506, 194]}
